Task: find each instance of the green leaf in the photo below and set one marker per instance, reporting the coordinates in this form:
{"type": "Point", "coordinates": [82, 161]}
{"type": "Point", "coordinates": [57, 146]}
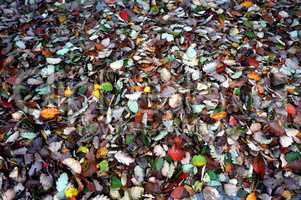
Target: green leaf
{"type": "Point", "coordinates": [250, 34]}
{"type": "Point", "coordinates": [103, 166]}
{"type": "Point", "coordinates": [159, 163]}
{"type": "Point", "coordinates": [62, 182]}
{"type": "Point", "coordinates": [28, 135]}
{"type": "Point", "coordinates": [129, 139]}
{"type": "Point", "coordinates": [115, 182]}
{"type": "Point", "coordinates": [212, 175]}
{"type": "Point", "coordinates": [199, 160]}
{"type": "Point", "coordinates": [292, 156]}
{"type": "Point", "coordinates": [133, 106]}
{"type": "Point", "coordinates": [107, 86]}
{"type": "Point", "coordinates": [236, 91]}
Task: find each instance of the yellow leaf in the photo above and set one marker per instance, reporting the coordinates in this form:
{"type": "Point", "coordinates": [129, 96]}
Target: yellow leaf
{"type": "Point", "coordinates": [62, 19]}
{"type": "Point", "coordinates": [147, 89]}
{"type": "Point", "coordinates": [218, 115]}
{"type": "Point", "coordinates": [97, 86]}
{"type": "Point", "coordinates": [254, 76]}
{"type": "Point", "coordinates": [96, 93]}
{"type": "Point", "coordinates": [247, 4]}
{"type": "Point", "coordinates": [83, 149]}
{"type": "Point", "coordinates": [101, 152]}
{"type": "Point", "coordinates": [68, 92]}
{"type": "Point", "coordinates": [49, 113]}
{"type": "Point", "coordinates": [287, 194]}
{"type": "Point", "coordinates": [251, 196]}
{"type": "Point", "coordinates": [71, 192]}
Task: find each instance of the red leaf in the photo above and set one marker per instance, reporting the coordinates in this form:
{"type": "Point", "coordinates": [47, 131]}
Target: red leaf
{"type": "Point", "coordinates": [124, 15]}
{"type": "Point", "coordinates": [291, 110]}
{"type": "Point", "coordinates": [182, 177]}
{"type": "Point", "coordinates": [178, 192]}
{"type": "Point", "coordinates": [259, 166]}
{"type": "Point", "coordinates": [6, 104]}
{"type": "Point", "coordinates": [39, 31]}
{"type": "Point", "coordinates": [176, 153]}
{"type": "Point", "coordinates": [253, 62]}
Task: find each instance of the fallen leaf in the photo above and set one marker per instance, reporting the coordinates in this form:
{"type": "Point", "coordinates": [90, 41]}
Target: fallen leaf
{"type": "Point", "coordinates": [259, 166]}
{"type": "Point", "coordinates": [251, 196]}
{"type": "Point", "coordinates": [124, 158]}
{"type": "Point", "coordinates": [124, 15]}
{"type": "Point", "coordinates": [291, 110]}
{"type": "Point", "coordinates": [49, 113]}
{"type": "Point", "coordinates": [218, 115]}
{"type": "Point", "coordinates": [176, 153]}
{"type": "Point", "coordinates": [73, 164]}
{"type": "Point", "coordinates": [253, 62]}
{"type": "Point", "coordinates": [53, 61]}
{"type": "Point", "coordinates": [254, 76]}
{"type": "Point", "coordinates": [199, 160]}
{"type": "Point", "coordinates": [247, 4]}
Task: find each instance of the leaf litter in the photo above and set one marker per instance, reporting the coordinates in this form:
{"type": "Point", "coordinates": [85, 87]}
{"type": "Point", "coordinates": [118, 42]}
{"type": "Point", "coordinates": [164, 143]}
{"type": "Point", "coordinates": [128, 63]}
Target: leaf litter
{"type": "Point", "coordinates": [188, 99]}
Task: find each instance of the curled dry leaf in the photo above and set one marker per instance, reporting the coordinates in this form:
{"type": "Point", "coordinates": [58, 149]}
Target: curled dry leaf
{"type": "Point", "coordinates": [124, 158]}
{"type": "Point", "coordinates": [73, 164]}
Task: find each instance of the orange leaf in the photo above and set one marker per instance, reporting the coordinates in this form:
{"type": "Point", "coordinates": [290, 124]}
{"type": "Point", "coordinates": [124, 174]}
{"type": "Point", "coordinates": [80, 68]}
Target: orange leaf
{"type": "Point", "coordinates": [254, 76]}
{"type": "Point", "coordinates": [46, 53]}
{"type": "Point", "coordinates": [291, 110]}
{"type": "Point", "coordinates": [218, 115]}
{"type": "Point", "coordinates": [228, 167]}
{"type": "Point", "coordinates": [247, 4]}
{"type": "Point", "coordinates": [99, 46]}
{"type": "Point", "coordinates": [138, 117]}
{"type": "Point", "coordinates": [221, 22]}
{"type": "Point", "coordinates": [49, 113]}
{"type": "Point", "coordinates": [251, 196]}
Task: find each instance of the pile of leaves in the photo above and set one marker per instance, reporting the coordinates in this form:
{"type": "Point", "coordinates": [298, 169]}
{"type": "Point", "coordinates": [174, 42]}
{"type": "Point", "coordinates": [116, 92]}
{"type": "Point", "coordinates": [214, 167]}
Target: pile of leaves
{"type": "Point", "coordinates": [139, 99]}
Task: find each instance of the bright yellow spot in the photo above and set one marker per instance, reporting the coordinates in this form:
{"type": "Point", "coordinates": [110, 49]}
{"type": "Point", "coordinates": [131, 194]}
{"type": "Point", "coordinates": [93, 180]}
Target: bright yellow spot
{"type": "Point", "coordinates": [71, 192]}
{"type": "Point", "coordinates": [49, 113]}
{"type": "Point", "coordinates": [147, 89]}
{"type": "Point", "coordinates": [251, 196]}
{"type": "Point", "coordinates": [97, 86]}
{"type": "Point", "coordinates": [247, 4]}
{"type": "Point", "coordinates": [68, 92]}
{"type": "Point", "coordinates": [83, 149]}
{"type": "Point", "coordinates": [96, 91]}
